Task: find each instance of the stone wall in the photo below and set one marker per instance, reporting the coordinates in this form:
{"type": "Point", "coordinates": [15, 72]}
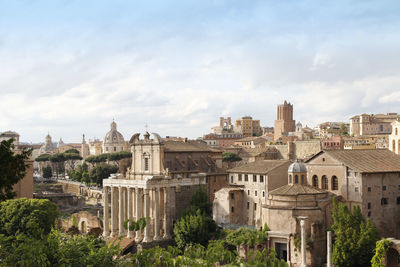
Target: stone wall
{"type": "Point", "coordinates": [183, 197]}
{"type": "Point", "coordinates": [70, 187]}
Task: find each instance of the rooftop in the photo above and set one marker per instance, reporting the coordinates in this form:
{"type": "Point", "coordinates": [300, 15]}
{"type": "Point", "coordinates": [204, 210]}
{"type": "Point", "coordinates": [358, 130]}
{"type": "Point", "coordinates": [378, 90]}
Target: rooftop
{"type": "Point", "coordinates": [185, 146]}
{"type": "Point", "coordinates": [367, 160]}
{"type": "Point", "coordinates": [261, 166]}
{"type": "Point", "coordinates": [296, 189]}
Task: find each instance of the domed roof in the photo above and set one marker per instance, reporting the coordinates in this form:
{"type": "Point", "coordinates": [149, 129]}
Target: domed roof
{"type": "Point", "coordinates": [297, 167]}
{"type": "Point", "coordinates": [48, 145]}
{"type": "Point", "coordinates": [113, 136]}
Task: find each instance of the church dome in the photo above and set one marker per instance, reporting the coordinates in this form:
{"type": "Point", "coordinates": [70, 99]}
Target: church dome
{"type": "Point", "coordinates": [48, 146]}
{"type": "Point", "coordinates": [113, 136]}
{"type": "Point", "coordinates": [297, 167]}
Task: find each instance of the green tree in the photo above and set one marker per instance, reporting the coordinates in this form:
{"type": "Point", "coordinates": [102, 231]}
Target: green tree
{"type": "Point", "coordinates": [13, 168]}
{"type": "Point", "coordinates": [194, 228]}
{"type": "Point", "coordinates": [230, 157]}
{"type": "Point", "coordinates": [117, 156]}
{"type": "Point", "coordinates": [200, 201]}
{"type": "Point", "coordinates": [71, 158]}
{"type": "Point", "coordinates": [343, 129]}
{"type": "Point", "coordinates": [382, 247]}
{"type": "Point", "coordinates": [73, 151]}
{"type": "Point", "coordinates": [47, 172]}
{"type": "Point", "coordinates": [354, 238]}
{"type": "Point", "coordinates": [58, 160]}
{"type": "Point", "coordinates": [100, 172]}
{"type": "Point", "coordinates": [32, 217]}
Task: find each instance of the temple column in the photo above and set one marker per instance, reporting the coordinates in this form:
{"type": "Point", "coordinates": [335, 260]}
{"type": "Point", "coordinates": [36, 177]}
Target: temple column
{"type": "Point", "coordinates": [138, 210]}
{"type": "Point", "coordinates": [114, 211]}
{"type": "Point", "coordinates": [147, 236]}
{"type": "Point", "coordinates": [167, 214]}
{"type": "Point", "coordinates": [303, 244]}
{"type": "Point", "coordinates": [121, 212]}
{"type": "Point", "coordinates": [156, 194]}
{"type": "Point", "coordinates": [129, 193]}
{"type": "Point", "coordinates": [106, 211]}
{"type": "Point", "coordinates": [329, 249]}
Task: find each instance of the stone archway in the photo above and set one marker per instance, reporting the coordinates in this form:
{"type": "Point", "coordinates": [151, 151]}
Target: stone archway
{"type": "Point", "coordinates": [83, 225]}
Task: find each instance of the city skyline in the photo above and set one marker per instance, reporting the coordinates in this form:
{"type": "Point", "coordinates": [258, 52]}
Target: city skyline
{"type": "Point", "coordinates": [69, 68]}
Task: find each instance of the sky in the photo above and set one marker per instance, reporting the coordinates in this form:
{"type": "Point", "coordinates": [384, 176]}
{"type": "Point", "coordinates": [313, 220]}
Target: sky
{"type": "Point", "coordinates": [70, 67]}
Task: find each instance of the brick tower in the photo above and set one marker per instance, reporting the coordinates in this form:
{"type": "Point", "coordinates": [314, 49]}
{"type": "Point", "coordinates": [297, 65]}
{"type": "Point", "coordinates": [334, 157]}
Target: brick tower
{"type": "Point", "coordinates": [284, 122]}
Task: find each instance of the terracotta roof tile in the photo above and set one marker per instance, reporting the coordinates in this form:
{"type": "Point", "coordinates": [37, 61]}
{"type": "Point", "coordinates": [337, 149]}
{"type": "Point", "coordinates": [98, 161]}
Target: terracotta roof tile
{"type": "Point", "coordinates": [296, 189]}
{"type": "Point", "coordinates": [368, 160]}
{"type": "Point", "coordinates": [261, 166]}
{"type": "Point", "coordinates": [189, 146]}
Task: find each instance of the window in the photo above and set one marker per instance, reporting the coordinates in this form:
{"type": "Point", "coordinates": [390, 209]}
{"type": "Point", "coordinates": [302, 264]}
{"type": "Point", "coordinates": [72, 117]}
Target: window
{"type": "Point", "coordinates": [255, 206]}
{"type": "Point", "coordinates": [384, 188]}
{"type": "Point", "coordinates": [323, 159]}
{"type": "Point", "coordinates": [233, 209]}
{"type": "Point", "coordinates": [290, 179]}
{"type": "Point", "coordinates": [369, 189]}
{"type": "Point", "coordinates": [356, 189]}
{"type": "Point", "coordinates": [215, 179]}
{"type": "Point", "coordinates": [240, 177]}
{"type": "Point", "coordinates": [115, 149]}
{"type": "Point", "coordinates": [398, 200]}
{"type": "Point", "coordinates": [261, 178]}
{"type": "Point", "coordinates": [384, 201]}
{"type": "Point", "coordinates": [395, 131]}
{"type": "Point", "coordinates": [232, 196]}
{"type": "Point", "coordinates": [248, 205]}
{"type": "Point", "coordinates": [263, 193]}
{"type": "Point", "coordinates": [315, 181]}
{"type": "Point", "coordinates": [231, 179]}
{"type": "Point", "coordinates": [248, 192]}
{"type": "Point", "coordinates": [369, 214]}
{"type": "Point", "coordinates": [324, 182]}
{"type": "Point", "coordinates": [355, 173]}
{"type": "Point", "coordinates": [107, 148]}
{"type": "Point", "coordinates": [302, 179]}
{"type": "Point", "coordinates": [246, 178]}
{"type": "Point", "coordinates": [226, 178]}
{"type": "Point", "coordinates": [381, 127]}
{"type": "Point", "coordinates": [369, 205]}
{"type": "Point", "coordinates": [296, 179]}
{"type": "Point", "coordinates": [335, 184]}
{"type": "Point", "coordinates": [254, 178]}
{"type": "Point", "coordinates": [146, 164]}
{"type": "Point", "coordinates": [255, 192]}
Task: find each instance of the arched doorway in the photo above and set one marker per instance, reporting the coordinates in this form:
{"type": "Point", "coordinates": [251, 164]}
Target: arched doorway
{"type": "Point", "coordinates": [83, 227]}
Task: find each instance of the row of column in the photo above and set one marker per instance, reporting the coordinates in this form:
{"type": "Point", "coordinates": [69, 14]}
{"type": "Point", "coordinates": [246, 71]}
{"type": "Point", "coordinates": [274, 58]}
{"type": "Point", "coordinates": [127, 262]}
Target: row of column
{"type": "Point", "coordinates": [135, 203]}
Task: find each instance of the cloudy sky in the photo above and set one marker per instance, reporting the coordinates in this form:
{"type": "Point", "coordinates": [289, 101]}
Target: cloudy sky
{"type": "Point", "coordinates": [70, 67]}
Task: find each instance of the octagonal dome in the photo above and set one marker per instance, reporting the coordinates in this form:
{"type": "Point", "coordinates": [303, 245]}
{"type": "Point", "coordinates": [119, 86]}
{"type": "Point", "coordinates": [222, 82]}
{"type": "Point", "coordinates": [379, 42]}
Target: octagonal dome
{"type": "Point", "coordinates": [297, 167]}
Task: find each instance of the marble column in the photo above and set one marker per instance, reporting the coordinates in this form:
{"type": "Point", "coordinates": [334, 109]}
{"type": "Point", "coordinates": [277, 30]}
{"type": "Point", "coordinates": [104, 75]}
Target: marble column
{"type": "Point", "coordinates": [106, 211]}
{"type": "Point", "coordinates": [129, 195]}
{"type": "Point", "coordinates": [167, 213]}
{"type": "Point", "coordinates": [156, 193]}
{"type": "Point", "coordinates": [147, 236]}
{"type": "Point", "coordinates": [329, 249]}
{"type": "Point", "coordinates": [138, 211]}
{"type": "Point", "coordinates": [121, 212]}
{"type": "Point", "coordinates": [303, 244]}
{"type": "Point", "coordinates": [114, 211]}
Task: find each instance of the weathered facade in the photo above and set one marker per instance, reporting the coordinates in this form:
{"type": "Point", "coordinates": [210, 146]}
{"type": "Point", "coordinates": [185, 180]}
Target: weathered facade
{"type": "Point", "coordinates": [150, 190]}
{"type": "Point", "coordinates": [367, 178]}
{"type": "Point", "coordinates": [255, 180]}
{"type": "Point", "coordinates": [284, 122]}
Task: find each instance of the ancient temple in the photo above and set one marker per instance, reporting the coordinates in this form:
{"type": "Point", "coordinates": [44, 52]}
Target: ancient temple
{"type": "Point", "coordinates": [149, 190]}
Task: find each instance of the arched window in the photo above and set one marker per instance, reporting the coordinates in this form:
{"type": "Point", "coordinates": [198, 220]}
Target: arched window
{"type": "Point", "coordinates": [302, 179]}
{"type": "Point", "coordinates": [324, 182]}
{"type": "Point", "coordinates": [290, 178]}
{"type": "Point", "coordinates": [335, 184]}
{"type": "Point", "coordinates": [396, 131]}
{"type": "Point", "coordinates": [394, 146]}
{"type": "Point", "coordinates": [296, 179]}
{"type": "Point", "coordinates": [315, 181]}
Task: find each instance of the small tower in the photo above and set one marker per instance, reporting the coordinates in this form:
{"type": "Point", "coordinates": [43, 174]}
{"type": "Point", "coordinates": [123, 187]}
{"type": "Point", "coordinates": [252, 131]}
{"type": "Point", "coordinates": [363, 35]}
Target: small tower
{"type": "Point", "coordinates": [84, 148]}
{"type": "Point", "coordinates": [297, 173]}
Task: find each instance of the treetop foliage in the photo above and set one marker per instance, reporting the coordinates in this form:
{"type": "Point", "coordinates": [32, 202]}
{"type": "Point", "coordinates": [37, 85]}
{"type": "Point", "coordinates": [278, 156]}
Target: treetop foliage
{"type": "Point", "coordinates": [230, 157]}
{"type": "Point", "coordinates": [73, 151]}
{"type": "Point", "coordinates": [355, 238]}
{"type": "Point", "coordinates": [32, 217]}
{"type": "Point", "coordinates": [13, 167]}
